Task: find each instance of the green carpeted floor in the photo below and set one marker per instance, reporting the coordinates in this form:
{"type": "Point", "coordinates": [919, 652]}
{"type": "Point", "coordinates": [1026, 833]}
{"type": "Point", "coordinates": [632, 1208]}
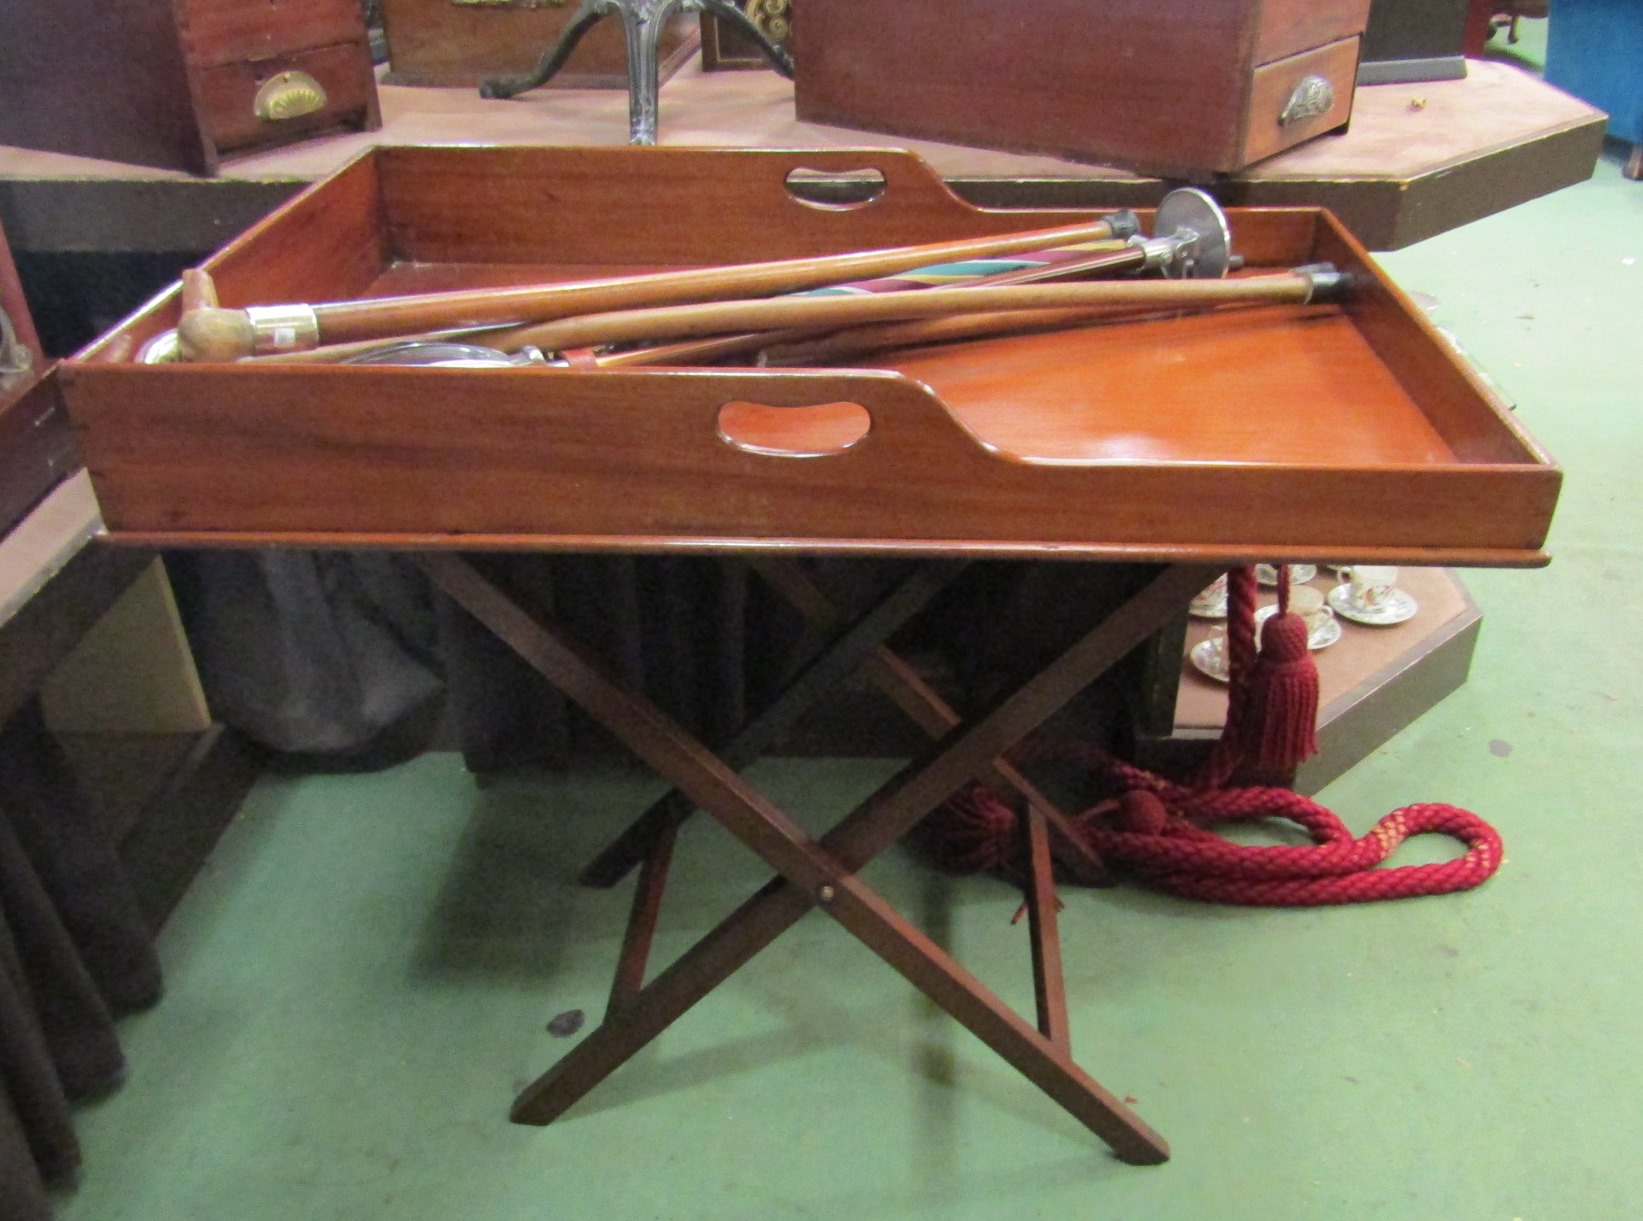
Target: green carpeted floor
{"type": "Point", "coordinates": [365, 972]}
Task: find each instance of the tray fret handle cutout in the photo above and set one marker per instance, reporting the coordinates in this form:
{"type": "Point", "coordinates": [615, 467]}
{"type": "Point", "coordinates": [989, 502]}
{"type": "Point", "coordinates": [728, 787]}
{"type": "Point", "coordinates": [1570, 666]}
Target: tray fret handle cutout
{"type": "Point", "coordinates": [815, 430]}
{"type": "Point", "coordinates": [836, 190]}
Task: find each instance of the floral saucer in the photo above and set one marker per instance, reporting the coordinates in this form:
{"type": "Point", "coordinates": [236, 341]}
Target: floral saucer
{"type": "Point", "coordinates": [1209, 657]}
{"type": "Point", "coordinates": [1205, 609]}
{"type": "Point", "coordinates": [1299, 574]}
{"type": "Point", "coordinates": [1326, 633]}
{"type": "Point", "coordinates": [1400, 606]}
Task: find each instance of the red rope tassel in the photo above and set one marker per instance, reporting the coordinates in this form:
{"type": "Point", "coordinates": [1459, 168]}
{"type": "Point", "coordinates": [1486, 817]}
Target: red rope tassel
{"type": "Point", "coordinates": [1280, 726]}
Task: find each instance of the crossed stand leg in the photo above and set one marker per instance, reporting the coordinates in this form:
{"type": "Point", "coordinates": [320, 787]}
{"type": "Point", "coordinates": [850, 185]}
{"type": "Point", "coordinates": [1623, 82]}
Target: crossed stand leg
{"type": "Point", "coordinates": [824, 873]}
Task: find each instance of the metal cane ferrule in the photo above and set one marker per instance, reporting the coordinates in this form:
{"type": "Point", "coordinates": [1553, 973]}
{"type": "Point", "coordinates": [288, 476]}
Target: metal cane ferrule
{"type": "Point", "coordinates": [1124, 224]}
{"type": "Point", "coordinates": [283, 328]}
{"type": "Point", "coordinates": [1326, 281]}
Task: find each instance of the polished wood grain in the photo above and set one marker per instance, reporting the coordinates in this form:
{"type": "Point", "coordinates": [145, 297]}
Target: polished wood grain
{"type": "Point", "coordinates": [1300, 432]}
{"type": "Point", "coordinates": [216, 33]}
{"type": "Point", "coordinates": [100, 80]}
{"type": "Point", "coordinates": [1288, 27]}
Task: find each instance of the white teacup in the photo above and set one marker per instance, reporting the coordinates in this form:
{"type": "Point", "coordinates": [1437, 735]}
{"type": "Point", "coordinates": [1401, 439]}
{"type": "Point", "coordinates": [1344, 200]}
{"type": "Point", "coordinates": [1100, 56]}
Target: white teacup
{"type": "Point", "coordinates": [1370, 587]}
{"type": "Point", "coordinates": [1310, 604]}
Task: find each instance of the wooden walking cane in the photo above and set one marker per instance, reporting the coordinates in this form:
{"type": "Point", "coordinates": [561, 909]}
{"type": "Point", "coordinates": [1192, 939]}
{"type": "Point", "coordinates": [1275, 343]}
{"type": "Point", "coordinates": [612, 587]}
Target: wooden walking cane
{"type": "Point", "coordinates": [690, 351]}
{"type": "Point", "coordinates": [215, 334]}
{"type": "Point", "coordinates": [720, 317]}
{"type": "Point", "coordinates": [1067, 266]}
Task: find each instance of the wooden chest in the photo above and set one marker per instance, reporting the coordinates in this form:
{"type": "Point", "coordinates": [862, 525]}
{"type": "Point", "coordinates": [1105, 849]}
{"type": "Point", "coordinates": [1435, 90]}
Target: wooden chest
{"type": "Point", "coordinates": [1344, 432]}
{"type": "Point", "coordinates": [464, 42]}
{"type": "Point", "coordinates": [1175, 87]}
{"type": "Point", "coordinates": [182, 83]}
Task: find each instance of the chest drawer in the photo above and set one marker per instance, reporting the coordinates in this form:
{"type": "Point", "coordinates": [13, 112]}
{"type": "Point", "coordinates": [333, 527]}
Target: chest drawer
{"type": "Point", "coordinates": [160, 82]}
{"type": "Point", "coordinates": [273, 100]}
{"type": "Point", "coordinates": [1297, 98]}
{"type": "Point", "coordinates": [1178, 88]}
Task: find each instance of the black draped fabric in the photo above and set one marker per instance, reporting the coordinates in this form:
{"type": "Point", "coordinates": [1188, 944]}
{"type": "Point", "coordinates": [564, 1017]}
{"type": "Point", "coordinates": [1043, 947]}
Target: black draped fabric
{"type": "Point", "coordinates": [351, 658]}
{"type": "Point", "coordinates": [75, 952]}
{"type": "Point", "coordinates": [323, 654]}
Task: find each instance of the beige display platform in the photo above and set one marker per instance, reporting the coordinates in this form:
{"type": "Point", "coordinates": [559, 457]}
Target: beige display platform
{"type": "Point", "coordinates": [1417, 159]}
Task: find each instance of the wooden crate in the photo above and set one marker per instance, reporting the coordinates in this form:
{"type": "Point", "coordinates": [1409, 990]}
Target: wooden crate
{"type": "Point", "coordinates": [182, 83]}
{"type": "Point", "coordinates": [1167, 86]}
{"type": "Point", "coordinates": [465, 42]}
{"type": "Point", "coordinates": [1348, 431]}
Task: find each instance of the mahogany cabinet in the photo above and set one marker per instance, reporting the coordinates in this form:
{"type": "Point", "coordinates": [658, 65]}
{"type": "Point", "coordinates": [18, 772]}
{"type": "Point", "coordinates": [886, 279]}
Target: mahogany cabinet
{"type": "Point", "coordinates": [182, 83]}
{"type": "Point", "coordinates": [1176, 87]}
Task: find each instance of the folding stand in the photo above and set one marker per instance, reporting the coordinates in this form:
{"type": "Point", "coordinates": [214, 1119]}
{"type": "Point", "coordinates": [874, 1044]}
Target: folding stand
{"type": "Point", "coordinates": [851, 647]}
{"type": "Point", "coordinates": [824, 873]}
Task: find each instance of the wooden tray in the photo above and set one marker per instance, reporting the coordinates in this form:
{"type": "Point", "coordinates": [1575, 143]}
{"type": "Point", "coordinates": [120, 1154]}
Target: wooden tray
{"type": "Point", "coordinates": [1347, 432]}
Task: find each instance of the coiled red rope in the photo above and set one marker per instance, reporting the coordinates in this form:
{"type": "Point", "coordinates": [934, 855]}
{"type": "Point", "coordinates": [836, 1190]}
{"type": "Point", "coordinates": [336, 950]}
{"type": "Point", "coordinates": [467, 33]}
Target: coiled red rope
{"type": "Point", "coordinates": [1158, 831]}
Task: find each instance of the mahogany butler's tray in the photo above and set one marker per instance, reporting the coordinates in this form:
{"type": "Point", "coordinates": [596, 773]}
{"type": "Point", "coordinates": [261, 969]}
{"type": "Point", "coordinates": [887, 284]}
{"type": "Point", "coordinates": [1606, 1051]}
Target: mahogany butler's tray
{"type": "Point", "coordinates": [1323, 432]}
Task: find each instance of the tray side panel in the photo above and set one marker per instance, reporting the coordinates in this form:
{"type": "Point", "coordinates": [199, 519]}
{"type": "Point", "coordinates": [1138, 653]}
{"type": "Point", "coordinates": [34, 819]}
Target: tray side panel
{"type": "Point", "coordinates": [1470, 416]}
{"type": "Point", "coordinates": [679, 206]}
{"type": "Point", "coordinates": [528, 453]}
{"type": "Point", "coordinates": [327, 243]}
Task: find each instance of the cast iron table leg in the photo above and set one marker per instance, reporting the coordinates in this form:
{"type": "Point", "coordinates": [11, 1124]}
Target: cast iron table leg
{"type": "Point", "coordinates": [643, 24]}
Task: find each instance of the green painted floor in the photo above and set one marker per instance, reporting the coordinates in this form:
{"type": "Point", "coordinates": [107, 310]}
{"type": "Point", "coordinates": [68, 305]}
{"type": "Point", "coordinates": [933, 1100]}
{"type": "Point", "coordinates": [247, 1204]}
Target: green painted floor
{"type": "Point", "coordinates": [365, 971]}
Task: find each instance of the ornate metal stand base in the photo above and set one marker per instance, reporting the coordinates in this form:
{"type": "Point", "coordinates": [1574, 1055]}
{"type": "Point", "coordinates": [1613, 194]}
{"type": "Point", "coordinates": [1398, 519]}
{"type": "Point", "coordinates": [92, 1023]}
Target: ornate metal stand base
{"type": "Point", "coordinates": [642, 22]}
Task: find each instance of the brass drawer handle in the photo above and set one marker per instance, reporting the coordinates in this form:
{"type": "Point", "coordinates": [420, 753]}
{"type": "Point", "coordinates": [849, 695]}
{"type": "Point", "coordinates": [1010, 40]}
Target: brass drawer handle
{"type": "Point", "coordinates": [1314, 96]}
{"type": "Point", "coordinates": [290, 95]}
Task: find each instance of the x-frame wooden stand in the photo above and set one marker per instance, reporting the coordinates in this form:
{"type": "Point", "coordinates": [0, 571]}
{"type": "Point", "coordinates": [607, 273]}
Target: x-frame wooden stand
{"type": "Point", "coordinates": [824, 873]}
